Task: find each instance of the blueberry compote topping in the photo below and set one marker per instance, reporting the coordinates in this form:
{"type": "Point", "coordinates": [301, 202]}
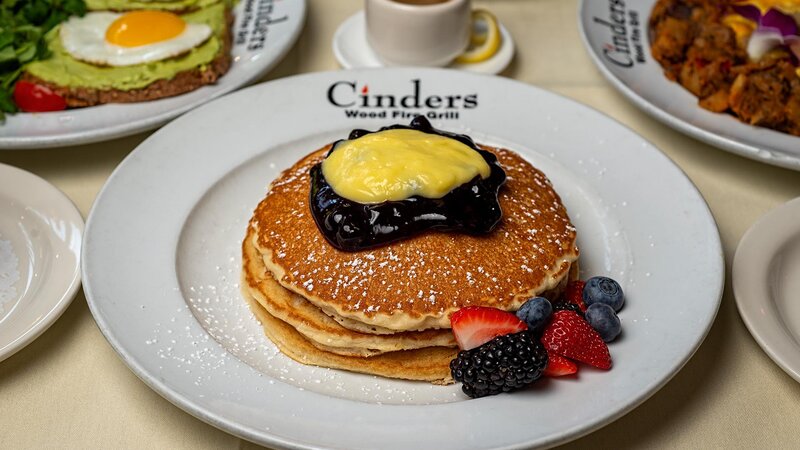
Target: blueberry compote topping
{"type": "Point", "coordinates": [471, 208]}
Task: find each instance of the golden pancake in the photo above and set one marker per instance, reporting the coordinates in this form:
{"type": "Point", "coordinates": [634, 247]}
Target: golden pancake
{"type": "Point", "coordinates": [427, 364]}
{"type": "Point", "coordinates": [355, 325]}
{"type": "Point", "coordinates": [321, 330]}
{"type": "Point", "coordinates": [555, 293]}
{"type": "Point", "coordinates": [416, 283]}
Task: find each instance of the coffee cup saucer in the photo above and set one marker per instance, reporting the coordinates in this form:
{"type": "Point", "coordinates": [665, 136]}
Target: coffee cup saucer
{"type": "Point", "coordinates": [353, 52]}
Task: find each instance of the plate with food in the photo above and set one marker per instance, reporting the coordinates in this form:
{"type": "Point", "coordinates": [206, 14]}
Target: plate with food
{"type": "Point", "coordinates": [392, 250]}
{"type": "Point", "coordinates": [40, 245]}
{"type": "Point", "coordinates": [81, 71]}
{"type": "Point", "coordinates": [723, 72]}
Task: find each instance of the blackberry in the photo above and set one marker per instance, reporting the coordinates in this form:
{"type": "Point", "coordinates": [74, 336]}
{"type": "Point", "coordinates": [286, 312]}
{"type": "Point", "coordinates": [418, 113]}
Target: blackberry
{"type": "Point", "coordinates": [567, 306]}
{"type": "Point", "coordinates": [503, 364]}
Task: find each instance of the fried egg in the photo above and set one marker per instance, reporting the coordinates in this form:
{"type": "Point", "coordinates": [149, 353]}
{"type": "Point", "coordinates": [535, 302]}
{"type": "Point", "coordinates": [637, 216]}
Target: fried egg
{"type": "Point", "coordinates": [137, 37]}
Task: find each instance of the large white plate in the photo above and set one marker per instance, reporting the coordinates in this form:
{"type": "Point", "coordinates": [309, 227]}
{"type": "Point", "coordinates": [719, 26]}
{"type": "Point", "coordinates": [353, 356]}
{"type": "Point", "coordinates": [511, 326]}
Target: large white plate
{"type": "Point", "coordinates": [263, 33]}
{"type": "Point", "coordinates": [765, 284]}
{"type": "Point", "coordinates": [40, 245]}
{"type": "Point", "coordinates": [616, 35]}
{"type": "Point", "coordinates": [161, 275]}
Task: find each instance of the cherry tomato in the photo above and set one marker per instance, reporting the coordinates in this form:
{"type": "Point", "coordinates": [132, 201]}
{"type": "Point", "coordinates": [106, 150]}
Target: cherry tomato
{"type": "Point", "coordinates": [31, 97]}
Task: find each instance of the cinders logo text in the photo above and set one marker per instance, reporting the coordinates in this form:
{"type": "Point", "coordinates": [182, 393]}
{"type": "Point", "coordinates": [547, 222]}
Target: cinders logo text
{"type": "Point", "coordinates": [256, 20]}
{"type": "Point", "coordinates": [625, 47]}
{"type": "Point", "coordinates": [359, 103]}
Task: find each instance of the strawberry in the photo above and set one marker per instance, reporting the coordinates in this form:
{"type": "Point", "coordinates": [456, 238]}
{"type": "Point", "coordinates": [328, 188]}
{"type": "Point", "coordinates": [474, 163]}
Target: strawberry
{"type": "Point", "coordinates": [569, 335]}
{"type": "Point", "coordinates": [573, 293]}
{"type": "Point", "coordinates": [474, 326]}
{"type": "Point", "coordinates": [558, 366]}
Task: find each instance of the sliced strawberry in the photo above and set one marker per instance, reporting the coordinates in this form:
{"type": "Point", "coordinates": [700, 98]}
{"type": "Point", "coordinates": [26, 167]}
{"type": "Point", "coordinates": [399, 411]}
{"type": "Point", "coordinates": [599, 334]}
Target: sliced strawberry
{"type": "Point", "coordinates": [571, 336]}
{"type": "Point", "coordinates": [474, 326]}
{"type": "Point", "coordinates": [558, 366]}
{"type": "Point", "coordinates": [573, 293]}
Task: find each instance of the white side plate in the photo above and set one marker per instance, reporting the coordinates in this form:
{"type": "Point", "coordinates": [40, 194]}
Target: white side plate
{"type": "Point", "coordinates": [40, 245]}
{"type": "Point", "coordinates": [161, 275]}
{"type": "Point", "coordinates": [766, 284]}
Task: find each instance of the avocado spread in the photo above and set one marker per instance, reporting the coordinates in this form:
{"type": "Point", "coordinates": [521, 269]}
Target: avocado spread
{"type": "Point", "coordinates": [64, 70]}
{"type": "Point", "coordinates": [166, 5]}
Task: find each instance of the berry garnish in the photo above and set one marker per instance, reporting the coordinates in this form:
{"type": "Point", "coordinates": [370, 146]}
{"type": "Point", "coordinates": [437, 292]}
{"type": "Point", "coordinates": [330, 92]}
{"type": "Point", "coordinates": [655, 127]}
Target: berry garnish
{"type": "Point", "coordinates": [603, 290]}
{"type": "Point", "coordinates": [570, 336]}
{"type": "Point", "coordinates": [558, 366]}
{"type": "Point", "coordinates": [503, 364]}
{"type": "Point", "coordinates": [535, 312]}
{"type": "Point", "coordinates": [566, 306]}
{"type": "Point", "coordinates": [573, 293]}
{"type": "Point", "coordinates": [474, 326]}
{"type": "Point", "coordinates": [604, 320]}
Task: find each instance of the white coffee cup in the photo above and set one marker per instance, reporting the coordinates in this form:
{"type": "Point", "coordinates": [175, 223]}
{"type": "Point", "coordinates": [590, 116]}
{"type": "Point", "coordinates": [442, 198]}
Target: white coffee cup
{"type": "Point", "coordinates": [418, 32]}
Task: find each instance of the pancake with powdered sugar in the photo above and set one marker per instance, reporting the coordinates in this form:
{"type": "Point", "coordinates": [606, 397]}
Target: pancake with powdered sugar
{"type": "Point", "coordinates": [416, 283]}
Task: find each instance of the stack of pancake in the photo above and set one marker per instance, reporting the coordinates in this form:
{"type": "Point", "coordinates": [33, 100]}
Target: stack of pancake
{"type": "Point", "coordinates": [385, 310]}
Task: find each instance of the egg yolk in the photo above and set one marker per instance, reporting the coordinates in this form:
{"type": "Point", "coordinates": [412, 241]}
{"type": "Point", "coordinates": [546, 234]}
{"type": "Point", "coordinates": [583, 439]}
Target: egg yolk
{"type": "Point", "coordinates": [138, 28]}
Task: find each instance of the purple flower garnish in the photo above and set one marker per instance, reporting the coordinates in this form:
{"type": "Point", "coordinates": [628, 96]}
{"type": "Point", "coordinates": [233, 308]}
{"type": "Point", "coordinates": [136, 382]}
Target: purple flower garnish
{"type": "Point", "coordinates": [749, 12]}
{"type": "Point", "coordinates": [774, 29]}
{"type": "Point", "coordinates": [779, 21]}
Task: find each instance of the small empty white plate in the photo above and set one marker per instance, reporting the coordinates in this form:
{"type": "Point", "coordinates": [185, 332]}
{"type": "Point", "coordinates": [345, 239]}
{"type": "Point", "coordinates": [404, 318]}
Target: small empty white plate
{"type": "Point", "coordinates": [40, 245]}
{"type": "Point", "coordinates": [353, 52]}
{"type": "Point", "coordinates": [766, 283]}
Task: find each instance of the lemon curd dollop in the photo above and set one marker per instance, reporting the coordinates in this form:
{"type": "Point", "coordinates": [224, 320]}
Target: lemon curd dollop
{"type": "Point", "coordinates": [378, 187]}
{"type": "Point", "coordinates": [397, 164]}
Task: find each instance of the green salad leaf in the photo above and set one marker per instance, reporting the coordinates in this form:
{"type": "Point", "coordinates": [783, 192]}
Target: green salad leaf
{"type": "Point", "coordinates": [23, 24]}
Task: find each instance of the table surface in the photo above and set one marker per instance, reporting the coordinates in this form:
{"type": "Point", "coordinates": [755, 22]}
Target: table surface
{"type": "Point", "coordinates": [68, 389]}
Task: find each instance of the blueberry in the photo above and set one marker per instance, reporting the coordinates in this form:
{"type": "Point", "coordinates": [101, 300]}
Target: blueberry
{"type": "Point", "coordinates": [604, 320]}
{"type": "Point", "coordinates": [603, 290]}
{"type": "Point", "coordinates": [535, 312]}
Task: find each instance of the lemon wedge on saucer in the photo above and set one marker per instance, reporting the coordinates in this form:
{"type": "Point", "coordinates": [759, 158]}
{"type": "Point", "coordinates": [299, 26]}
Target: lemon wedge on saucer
{"type": "Point", "coordinates": [485, 40]}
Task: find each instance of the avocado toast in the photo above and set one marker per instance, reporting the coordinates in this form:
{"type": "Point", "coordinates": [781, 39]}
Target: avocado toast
{"type": "Point", "coordinates": [82, 83]}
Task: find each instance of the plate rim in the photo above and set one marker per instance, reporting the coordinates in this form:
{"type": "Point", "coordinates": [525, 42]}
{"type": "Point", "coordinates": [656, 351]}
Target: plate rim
{"type": "Point", "coordinates": [749, 151]}
{"type": "Point", "coordinates": [70, 292]}
{"type": "Point", "coordinates": [21, 143]}
{"type": "Point", "coordinates": [744, 280]}
{"type": "Point", "coordinates": [193, 408]}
